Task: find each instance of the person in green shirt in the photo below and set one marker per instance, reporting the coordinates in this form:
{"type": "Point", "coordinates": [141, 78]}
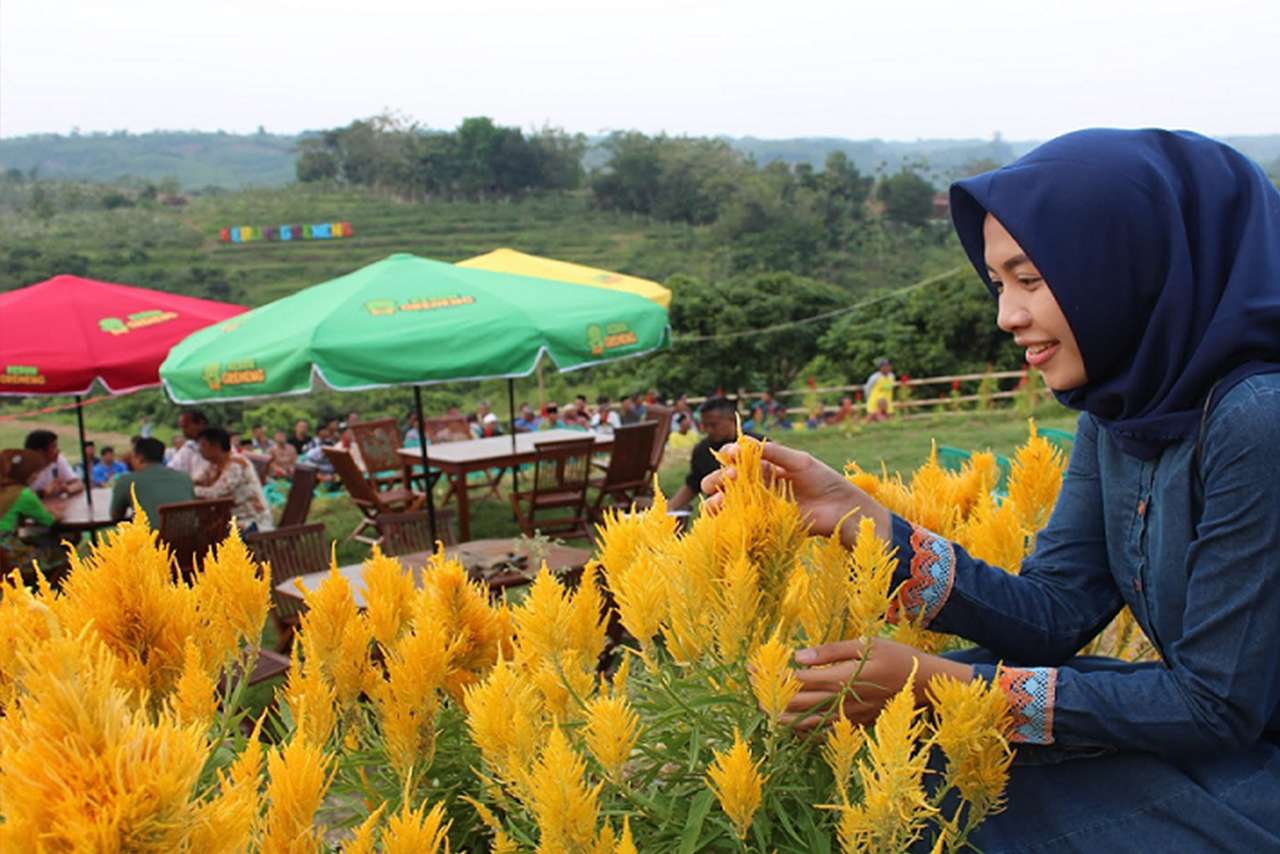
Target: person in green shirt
{"type": "Point", "coordinates": [151, 480]}
{"type": "Point", "coordinates": [18, 468]}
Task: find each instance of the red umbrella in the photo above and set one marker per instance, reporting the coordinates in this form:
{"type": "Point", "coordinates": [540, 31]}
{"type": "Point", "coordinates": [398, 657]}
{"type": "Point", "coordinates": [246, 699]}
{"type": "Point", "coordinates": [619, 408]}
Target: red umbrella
{"type": "Point", "coordinates": [59, 336]}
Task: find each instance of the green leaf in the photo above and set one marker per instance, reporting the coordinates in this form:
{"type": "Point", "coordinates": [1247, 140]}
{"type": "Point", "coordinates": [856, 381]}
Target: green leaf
{"type": "Point", "coordinates": [693, 824]}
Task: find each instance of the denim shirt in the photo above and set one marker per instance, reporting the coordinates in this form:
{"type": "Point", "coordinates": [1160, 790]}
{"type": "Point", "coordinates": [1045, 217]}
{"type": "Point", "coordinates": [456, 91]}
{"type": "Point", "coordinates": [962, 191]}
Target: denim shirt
{"type": "Point", "coordinates": [1194, 551]}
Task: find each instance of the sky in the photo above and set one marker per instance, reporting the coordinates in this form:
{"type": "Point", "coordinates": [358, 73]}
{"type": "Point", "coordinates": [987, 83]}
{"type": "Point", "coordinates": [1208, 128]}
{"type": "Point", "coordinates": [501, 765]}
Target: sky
{"type": "Point", "coordinates": [889, 69]}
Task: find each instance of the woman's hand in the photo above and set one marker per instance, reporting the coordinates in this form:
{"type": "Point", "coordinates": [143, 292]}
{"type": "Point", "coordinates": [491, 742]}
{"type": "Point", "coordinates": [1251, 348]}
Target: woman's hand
{"type": "Point", "coordinates": [823, 494]}
{"type": "Point", "coordinates": [830, 667]}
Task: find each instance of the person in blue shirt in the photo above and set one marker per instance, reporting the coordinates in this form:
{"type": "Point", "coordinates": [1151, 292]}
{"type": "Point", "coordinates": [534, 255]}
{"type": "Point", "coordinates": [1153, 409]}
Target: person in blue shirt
{"type": "Point", "coordinates": [1140, 271]}
{"type": "Point", "coordinates": [107, 467]}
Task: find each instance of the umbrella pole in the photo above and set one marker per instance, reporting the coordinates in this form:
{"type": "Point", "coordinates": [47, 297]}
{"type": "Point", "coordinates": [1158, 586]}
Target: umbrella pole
{"type": "Point", "coordinates": [426, 468]}
{"type": "Point", "coordinates": [84, 455]}
{"type": "Point", "coordinates": [511, 412]}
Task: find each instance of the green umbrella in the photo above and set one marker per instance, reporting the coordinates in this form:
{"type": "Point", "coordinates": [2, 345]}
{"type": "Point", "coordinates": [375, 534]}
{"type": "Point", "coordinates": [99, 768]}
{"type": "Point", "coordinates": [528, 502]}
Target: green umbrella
{"type": "Point", "coordinates": [407, 321]}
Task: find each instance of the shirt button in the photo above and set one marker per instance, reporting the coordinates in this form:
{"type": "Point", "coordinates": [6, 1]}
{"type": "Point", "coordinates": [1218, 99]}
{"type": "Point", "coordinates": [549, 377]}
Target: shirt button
{"type": "Point", "coordinates": [1142, 508]}
{"type": "Point", "coordinates": [1137, 584]}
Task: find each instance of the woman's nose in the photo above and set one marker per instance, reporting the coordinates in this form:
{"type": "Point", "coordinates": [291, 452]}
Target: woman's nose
{"type": "Point", "coordinates": [1011, 314]}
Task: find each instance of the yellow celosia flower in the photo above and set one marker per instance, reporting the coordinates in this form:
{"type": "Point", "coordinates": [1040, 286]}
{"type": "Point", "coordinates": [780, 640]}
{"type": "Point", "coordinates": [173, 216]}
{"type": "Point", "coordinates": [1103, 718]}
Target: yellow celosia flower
{"type": "Point", "coordinates": [994, 533]}
{"type": "Point", "coordinates": [795, 601]}
{"type": "Point", "coordinates": [506, 720]}
{"type": "Point", "coordinates": [563, 685]}
{"type": "Point", "coordinates": [840, 749]}
{"type": "Point", "coordinates": [737, 618]}
{"type": "Point", "coordinates": [543, 619]}
{"type": "Point", "coordinates": [419, 831]}
{"type": "Point", "coordinates": [737, 784]}
{"type": "Point", "coordinates": [233, 595]}
{"type": "Point", "coordinates": [310, 699]}
{"type": "Point", "coordinates": [772, 679]}
{"type": "Point", "coordinates": [562, 804]}
{"type": "Point", "coordinates": [1035, 478]}
{"type": "Point", "coordinates": [25, 622]}
{"type": "Point", "coordinates": [870, 583]}
{"type": "Point", "coordinates": [363, 841]}
{"type": "Point", "coordinates": [194, 699]}
{"type": "Point", "coordinates": [125, 589]}
{"type": "Point", "coordinates": [408, 699]}
{"type": "Point", "coordinates": [587, 616]}
{"type": "Point", "coordinates": [972, 726]}
{"type": "Point", "coordinates": [82, 768]}
{"type": "Point", "coordinates": [389, 597]}
{"type": "Point", "coordinates": [626, 844]}
{"type": "Point", "coordinates": [336, 638]}
{"type": "Point", "coordinates": [299, 776]}
{"type": "Point", "coordinates": [894, 806]}
{"type": "Point", "coordinates": [825, 612]}
{"type": "Point", "coordinates": [612, 728]}
{"type": "Point", "coordinates": [228, 822]}
{"type": "Point", "coordinates": [479, 631]}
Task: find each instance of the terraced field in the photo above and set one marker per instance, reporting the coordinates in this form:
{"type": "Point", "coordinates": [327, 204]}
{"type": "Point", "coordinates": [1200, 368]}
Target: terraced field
{"type": "Point", "coordinates": [178, 248]}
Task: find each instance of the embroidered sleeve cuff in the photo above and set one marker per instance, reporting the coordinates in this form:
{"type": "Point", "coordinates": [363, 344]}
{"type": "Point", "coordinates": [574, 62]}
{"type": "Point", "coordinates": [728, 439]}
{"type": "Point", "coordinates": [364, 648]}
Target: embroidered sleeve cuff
{"type": "Point", "coordinates": [1031, 694]}
{"type": "Point", "coordinates": [931, 573]}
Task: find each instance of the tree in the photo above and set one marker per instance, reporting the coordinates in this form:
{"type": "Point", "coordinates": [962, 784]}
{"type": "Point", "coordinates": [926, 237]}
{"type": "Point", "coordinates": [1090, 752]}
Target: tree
{"type": "Point", "coordinates": [907, 198]}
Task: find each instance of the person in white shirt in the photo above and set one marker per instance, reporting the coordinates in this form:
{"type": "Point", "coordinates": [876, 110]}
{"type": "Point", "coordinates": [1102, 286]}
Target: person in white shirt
{"type": "Point", "coordinates": [191, 422]}
{"type": "Point", "coordinates": [605, 419]}
{"type": "Point", "coordinates": [57, 477]}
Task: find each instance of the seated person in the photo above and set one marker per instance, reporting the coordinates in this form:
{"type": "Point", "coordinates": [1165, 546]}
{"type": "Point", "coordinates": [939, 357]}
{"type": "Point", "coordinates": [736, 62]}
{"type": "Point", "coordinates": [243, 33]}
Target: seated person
{"type": "Point", "coordinates": [527, 420]}
{"type": "Point", "coordinates": [107, 467]}
{"type": "Point", "coordinates": [490, 426]}
{"type": "Point", "coordinates": [18, 470]}
{"type": "Point", "coordinates": [191, 423]}
{"type": "Point", "coordinates": [231, 476]}
{"type": "Point", "coordinates": [720, 426]}
{"type": "Point", "coordinates": [283, 457]}
{"type": "Point", "coordinates": [56, 477]}
{"type": "Point", "coordinates": [151, 481]}
{"type": "Point", "coordinates": [606, 418]}
{"type": "Point", "coordinates": [552, 420]}
{"type": "Point", "coordinates": [89, 457]}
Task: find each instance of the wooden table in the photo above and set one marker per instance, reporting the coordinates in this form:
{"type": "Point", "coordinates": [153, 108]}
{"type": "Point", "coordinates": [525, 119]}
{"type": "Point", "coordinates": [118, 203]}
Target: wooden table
{"type": "Point", "coordinates": [559, 559]}
{"type": "Point", "coordinates": [74, 514]}
{"type": "Point", "coordinates": [458, 459]}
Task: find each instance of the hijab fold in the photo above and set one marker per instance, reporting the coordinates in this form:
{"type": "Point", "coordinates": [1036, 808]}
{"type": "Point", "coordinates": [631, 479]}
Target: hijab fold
{"type": "Point", "coordinates": [1163, 250]}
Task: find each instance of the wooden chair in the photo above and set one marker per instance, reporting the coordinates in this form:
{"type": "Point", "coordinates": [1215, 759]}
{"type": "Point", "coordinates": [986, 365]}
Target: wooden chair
{"type": "Point", "coordinates": [371, 502]}
{"type": "Point", "coordinates": [447, 428]}
{"type": "Point", "coordinates": [628, 476]}
{"type": "Point", "coordinates": [661, 415]}
{"type": "Point", "coordinates": [291, 552]}
{"type": "Point", "coordinates": [191, 528]}
{"type": "Point", "coordinates": [379, 442]}
{"type": "Point", "coordinates": [405, 533]}
{"type": "Point", "coordinates": [261, 464]}
{"type": "Point", "coordinates": [301, 490]}
{"type": "Point", "coordinates": [557, 502]}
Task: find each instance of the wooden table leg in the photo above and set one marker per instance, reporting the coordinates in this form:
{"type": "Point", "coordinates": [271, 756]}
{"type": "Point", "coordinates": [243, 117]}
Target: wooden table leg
{"type": "Point", "coordinates": [464, 506]}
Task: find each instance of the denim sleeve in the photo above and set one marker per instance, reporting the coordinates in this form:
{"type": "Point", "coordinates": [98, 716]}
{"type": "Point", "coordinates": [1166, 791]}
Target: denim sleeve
{"type": "Point", "coordinates": [1218, 689]}
{"type": "Point", "coordinates": [1063, 597]}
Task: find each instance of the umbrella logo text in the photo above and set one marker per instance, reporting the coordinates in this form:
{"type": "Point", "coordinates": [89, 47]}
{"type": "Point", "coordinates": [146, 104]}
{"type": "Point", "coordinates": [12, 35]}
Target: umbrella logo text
{"type": "Point", "coordinates": [610, 337]}
{"type": "Point", "coordinates": [22, 375]}
{"type": "Point", "coordinates": [137, 320]}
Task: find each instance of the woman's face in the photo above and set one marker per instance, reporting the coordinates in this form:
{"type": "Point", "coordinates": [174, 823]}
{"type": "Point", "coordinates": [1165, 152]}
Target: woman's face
{"type": "Point", "coordinates": [1029, 312]}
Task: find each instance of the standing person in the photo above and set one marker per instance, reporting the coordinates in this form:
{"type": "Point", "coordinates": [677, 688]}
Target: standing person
{"type": "Point", "coordinates": [719, 427]}
{"type": "Point", "coordinates": [151, 480]}
{"type": "Point", "coordinates": [56, 477]}
{"type": "Point", "coordinates": [1140, 270]}
{"type": "Point", "coordinates": [18, 500]}
{"type": "Point", "coordinates": [106, 468]}
{"type": "Point", "coordinates": [231, 476]}
{"type": "Point", "coordinates": [878, 391]}
{"type": "Point", "coordinates": [191, 423]}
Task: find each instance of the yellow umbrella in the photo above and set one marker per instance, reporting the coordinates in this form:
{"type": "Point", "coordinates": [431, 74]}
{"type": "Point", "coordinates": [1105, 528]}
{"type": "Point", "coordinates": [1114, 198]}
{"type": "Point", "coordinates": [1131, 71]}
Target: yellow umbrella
{"type": "Point", "coordinates": [511, 261]}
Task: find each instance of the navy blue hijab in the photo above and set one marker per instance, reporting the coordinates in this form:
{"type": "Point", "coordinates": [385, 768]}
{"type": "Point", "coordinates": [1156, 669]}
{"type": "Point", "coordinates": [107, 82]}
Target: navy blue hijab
{"type": "Point", "coordinates": [1162, 249]}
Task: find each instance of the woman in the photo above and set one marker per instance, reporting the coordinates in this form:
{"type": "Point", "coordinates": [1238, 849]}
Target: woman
{"type": "Point", "coordinates": [18, 468]}
{"type": "Point", "coordinates": [1141, 272]}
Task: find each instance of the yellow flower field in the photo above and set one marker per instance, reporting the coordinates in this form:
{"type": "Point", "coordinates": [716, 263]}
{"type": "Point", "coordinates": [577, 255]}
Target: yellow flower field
{"type": "Point", "coordinates": [439, 720]}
